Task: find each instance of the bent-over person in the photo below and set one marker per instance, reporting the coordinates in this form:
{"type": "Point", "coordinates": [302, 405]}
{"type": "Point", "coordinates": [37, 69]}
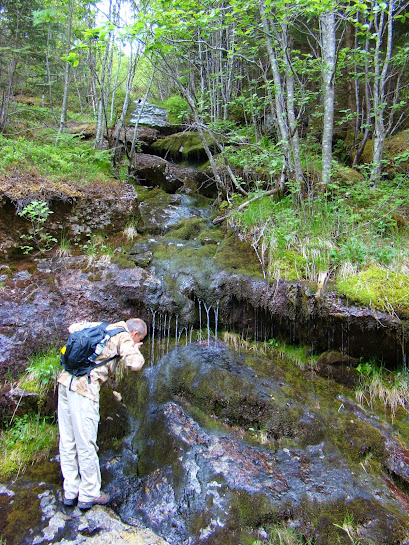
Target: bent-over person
{"type": "Point", "coordinates": [78, 412]}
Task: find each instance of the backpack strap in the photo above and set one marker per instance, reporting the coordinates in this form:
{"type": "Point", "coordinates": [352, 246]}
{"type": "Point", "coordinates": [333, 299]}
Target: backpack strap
{"type": "Point", "coordinates": [111, 333]}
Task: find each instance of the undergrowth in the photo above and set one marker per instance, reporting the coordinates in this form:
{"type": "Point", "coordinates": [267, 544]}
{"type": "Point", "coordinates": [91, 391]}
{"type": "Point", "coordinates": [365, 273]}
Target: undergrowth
{"type": "Point", "coordinates": [41, 373]}
{"type": "Point", "coordinates": [71, 159]}
{"type": "Point", "coordinates": [335, 235]}
{"type": "Point", "coordinates": [379, 383]}
{"type": "Point", "coordinates": [295, 354]}
{"type": "Point", "coordinates": [29, 439]}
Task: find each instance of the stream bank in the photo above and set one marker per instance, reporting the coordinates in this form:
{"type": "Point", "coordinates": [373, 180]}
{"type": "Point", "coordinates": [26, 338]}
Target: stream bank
{"type": "Point", "coordinates": [212, 444]}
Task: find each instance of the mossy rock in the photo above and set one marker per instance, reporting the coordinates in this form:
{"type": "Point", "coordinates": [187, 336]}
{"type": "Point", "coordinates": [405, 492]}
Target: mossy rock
{"type": "Point", "coordinates": [86, 130]}
{"type": "Point", "coordinates": [394, 146]}
{"type": "Point", "coordinates": [358, 440]}
{"type": "Point", "coordinates": [346, 175]}
{"type": "Point", "coordinates": [182, 146]}
{"type": "Point", "coordinates": [367, 521]}
{"type": "Point", "coordinates": [239, 257]}
{"type": "Point", "coordinates": [378, 288]}
{"type": "Point", "coordinates": [288, 265]}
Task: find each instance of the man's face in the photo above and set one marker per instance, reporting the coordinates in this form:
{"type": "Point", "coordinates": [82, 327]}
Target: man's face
{"type": "Point", "coordinates": [138, 337]}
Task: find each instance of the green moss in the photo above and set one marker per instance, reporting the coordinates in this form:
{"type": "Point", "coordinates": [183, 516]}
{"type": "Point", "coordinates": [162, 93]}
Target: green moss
{"type": "Point", "coordinates": [377, 288]}
{"type": "Point", "coordinates": [187, 144]}
{"type": "Point", "coordinates": [185, 254]}
{"type": "Point", "coordinates": [357, 440]}
{"type": "Point", "coordinates": [251, 510]}
{"type": "Point", "coordinates": [289, 265]}
{"type": "Point", "coordinates": [327, 523]}
{"type": "Point", "coordinates": [29, 439]}
{"type": "Point", "coordinates": [123, 261]}
{"type": "Point", "coordinates": [238, 256]}
{"type": "Point", "coordinates": [156, 194]}
{"type": "Point", "coordinates": [187, 229]}
{"type": "Point", "coordinates": [20, 515]}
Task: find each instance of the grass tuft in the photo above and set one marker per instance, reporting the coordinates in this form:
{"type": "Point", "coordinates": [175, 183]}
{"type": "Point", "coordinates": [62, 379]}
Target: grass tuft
{"type": "Point", "coordinates": [29, 440]}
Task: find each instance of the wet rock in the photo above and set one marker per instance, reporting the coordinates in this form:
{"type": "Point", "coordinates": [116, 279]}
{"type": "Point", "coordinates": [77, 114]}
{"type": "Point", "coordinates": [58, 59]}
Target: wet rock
{"type": "Point", "coordinates": [339, 367]}
{"type": "Point", "coordinates": [62, 291]}
{"type": "Point", "coordinates": [77, 215]}
{"type": "Point", "coordinates": [54, 523]}
{"type": "Point", "coordinates": [225, 441]}
{"type": "Point", "coordinates": [154, 171]}
{"type": "Point", "coordinates": [148, 114]}
{"type": "Point", "coordinates": [141, 254]}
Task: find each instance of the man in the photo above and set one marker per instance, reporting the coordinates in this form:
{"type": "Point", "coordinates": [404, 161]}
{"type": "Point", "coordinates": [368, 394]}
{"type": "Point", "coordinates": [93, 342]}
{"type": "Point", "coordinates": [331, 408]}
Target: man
{"type": "Point", "coordinates": [78, 413]}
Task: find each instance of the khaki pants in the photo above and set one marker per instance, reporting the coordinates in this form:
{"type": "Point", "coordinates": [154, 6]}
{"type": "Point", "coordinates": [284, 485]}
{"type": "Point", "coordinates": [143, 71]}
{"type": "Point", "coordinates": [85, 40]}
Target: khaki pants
{"type": "Point", "coordinates": [78, 418]}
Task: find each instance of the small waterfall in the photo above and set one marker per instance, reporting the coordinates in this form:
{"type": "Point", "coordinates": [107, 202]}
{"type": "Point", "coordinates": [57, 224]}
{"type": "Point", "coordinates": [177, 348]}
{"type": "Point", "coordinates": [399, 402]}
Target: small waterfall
{"type": "Point", "coordinates": [153, 337]}
{"type": "Point", "coordinates": [200, 319]}
{"type": "Point", "coordinates": [216, 318]}
{"type": "Point", "coordinates": [207, 308]}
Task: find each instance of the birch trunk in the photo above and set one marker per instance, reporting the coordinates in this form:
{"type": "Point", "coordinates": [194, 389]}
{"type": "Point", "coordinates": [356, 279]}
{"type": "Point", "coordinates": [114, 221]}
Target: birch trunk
{"type": "Point", "coordinates": [279, 100]}
{"type": "Point", "coordinates": [64, 107]}
{"type": "Point", "coordinates": [328, 47]}
{"type": "Point", "coordinates": [133, 62]}
{"type": "Point", "coordinates": [379, 99]}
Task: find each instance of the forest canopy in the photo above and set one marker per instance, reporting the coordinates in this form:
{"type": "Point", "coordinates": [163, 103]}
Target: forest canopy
{"type": "Point", "coordinates": [301, 108]}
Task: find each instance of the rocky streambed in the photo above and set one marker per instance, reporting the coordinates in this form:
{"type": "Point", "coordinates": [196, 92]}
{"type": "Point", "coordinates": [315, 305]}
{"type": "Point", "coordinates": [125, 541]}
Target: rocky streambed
{"type": "Point", "coordinates": [218, 438]}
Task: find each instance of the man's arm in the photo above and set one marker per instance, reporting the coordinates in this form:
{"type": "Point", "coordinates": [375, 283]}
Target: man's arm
{"type": "Point", "coordinates": [129, 352]}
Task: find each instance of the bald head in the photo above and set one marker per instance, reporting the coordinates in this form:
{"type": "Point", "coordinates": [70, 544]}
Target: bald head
{"type": "Point", "coordinates": [136, 325]}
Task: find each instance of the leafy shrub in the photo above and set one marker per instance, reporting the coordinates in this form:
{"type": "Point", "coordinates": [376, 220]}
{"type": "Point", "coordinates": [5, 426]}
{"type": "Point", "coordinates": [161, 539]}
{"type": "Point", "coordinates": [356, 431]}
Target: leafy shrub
{"type": "Point", "coordinates": [37, 213]}
{"type": "Point", "coordinates": [177, 108]}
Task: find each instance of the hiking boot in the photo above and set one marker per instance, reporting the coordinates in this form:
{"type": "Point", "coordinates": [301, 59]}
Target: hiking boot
{"type": "Point", "coordinates": [69, 502]}
{"type": "Point", "coordinates": [102, 500]}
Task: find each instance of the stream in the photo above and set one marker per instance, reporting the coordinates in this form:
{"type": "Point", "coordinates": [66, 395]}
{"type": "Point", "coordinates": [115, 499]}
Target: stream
{"type": "Point", "coordinates": [220, 437]}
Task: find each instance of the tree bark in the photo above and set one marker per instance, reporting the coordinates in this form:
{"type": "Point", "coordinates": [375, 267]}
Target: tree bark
{"type": "Point", "coordinates": [328, 54]}
{"type": "Point", "coordinates": [64, 107]}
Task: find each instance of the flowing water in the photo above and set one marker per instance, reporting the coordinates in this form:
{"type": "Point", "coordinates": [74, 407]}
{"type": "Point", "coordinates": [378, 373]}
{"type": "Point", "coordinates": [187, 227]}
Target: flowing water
{"type": "Point", "coordinates": [221, 437]}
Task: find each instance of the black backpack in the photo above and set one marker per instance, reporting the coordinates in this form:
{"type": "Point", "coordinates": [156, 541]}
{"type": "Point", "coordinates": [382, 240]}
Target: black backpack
{"type": "Point", "coordinates": [83, 347]}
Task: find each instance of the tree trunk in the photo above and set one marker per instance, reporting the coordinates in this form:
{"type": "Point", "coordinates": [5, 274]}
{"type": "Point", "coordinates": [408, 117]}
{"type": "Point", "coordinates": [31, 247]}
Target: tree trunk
{"type": "Point", "coordinates": [379, 97]}
{"type": "Point", "coordinates": [328, 48]}
{"type": "Point", "coordinates": [64, 107]}
{"type": "Point", "coordinates": [279, 97]}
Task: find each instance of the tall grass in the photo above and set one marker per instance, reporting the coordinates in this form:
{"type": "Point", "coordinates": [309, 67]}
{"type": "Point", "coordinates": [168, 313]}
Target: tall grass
{"type": "Point", "coordinates": [282, 534]}
{"type": "Point", "coordinates": [29, 440]}
{"type": "Point", "coordinates": [342, 232]}
{"type": "Point", "coordinates": [378, 383]}
{"type": "Point", "coordinates": [71, 159]}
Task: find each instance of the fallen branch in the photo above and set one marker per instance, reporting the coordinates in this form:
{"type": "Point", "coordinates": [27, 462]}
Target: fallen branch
{"type": "Point", "coordinates": [220, 219]}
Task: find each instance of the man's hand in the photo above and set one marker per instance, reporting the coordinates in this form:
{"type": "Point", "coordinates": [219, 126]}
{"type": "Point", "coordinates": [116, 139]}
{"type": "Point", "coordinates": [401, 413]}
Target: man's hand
{"type": "Point", "coordinates": [138, 345]}
{"type": "Point", "coordinates": [117, 396]}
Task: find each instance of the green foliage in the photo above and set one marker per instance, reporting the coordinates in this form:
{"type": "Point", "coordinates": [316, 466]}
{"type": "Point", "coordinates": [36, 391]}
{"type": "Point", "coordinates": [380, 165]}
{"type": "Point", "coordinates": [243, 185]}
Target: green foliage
{"type": "Point", "coordinates": [344, 231]}
{"type": "Point", "coordinates": [71, 159]}
{"type": "Point", "coordinates": [41, 372]}
{"type": "Point", "coordinates": [282, 534]}
{"type": "Point", "coordinates": [97, 249]}
{"type": "Point", "coordinates": [378, 383]}
{"type": "Point", "coordinates": [177, 108]}
{"type": "Point", "coordinates": [37, 213]}
{"type": "Point", "coordinates": [379, 288]}
{"type": "Point", "coordinates": [28, 440]}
